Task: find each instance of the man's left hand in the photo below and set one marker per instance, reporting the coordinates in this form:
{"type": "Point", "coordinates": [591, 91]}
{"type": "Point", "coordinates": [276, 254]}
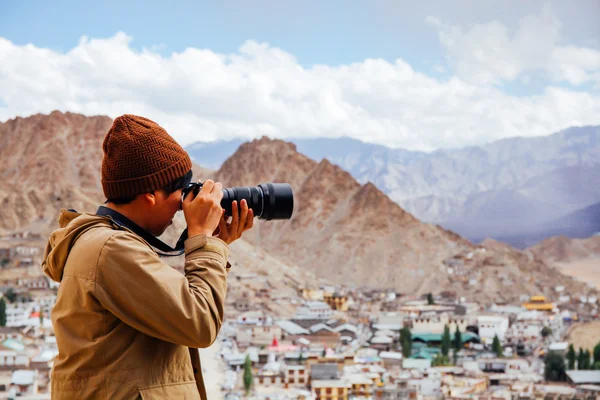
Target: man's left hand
{"type": "Point", "coordinates": [241, 221]}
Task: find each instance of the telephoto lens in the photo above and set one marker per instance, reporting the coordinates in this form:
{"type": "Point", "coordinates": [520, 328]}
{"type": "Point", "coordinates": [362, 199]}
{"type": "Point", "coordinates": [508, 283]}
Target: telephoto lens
{"type": "Point", "coordinates": [268, 200]}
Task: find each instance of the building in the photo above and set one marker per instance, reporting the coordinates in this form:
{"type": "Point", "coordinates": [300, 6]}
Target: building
{"type": "Point", "coordinates": [331, 389]}
{"type": "Point", "coordinates": [336, 301]}
{"type": "Point", "coordinates": [492, 325]}
{"type": "Point", "coordinates": [314, 309]}
{"type": "Point", "coordinates": [295, 375]}
{"type": "Point", "coordinates": [436, 324]}
{"type": "Point", "coordinates": [539, 303]}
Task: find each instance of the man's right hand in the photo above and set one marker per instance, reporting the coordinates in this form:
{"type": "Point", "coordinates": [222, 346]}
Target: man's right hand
{"type": "Point", "coordinates": [203, 212]}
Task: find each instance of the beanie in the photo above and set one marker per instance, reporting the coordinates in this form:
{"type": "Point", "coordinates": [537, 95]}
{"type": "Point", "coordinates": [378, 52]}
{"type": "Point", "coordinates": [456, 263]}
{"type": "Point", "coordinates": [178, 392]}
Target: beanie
{"type": "Point", "coordinates": [140, 157]}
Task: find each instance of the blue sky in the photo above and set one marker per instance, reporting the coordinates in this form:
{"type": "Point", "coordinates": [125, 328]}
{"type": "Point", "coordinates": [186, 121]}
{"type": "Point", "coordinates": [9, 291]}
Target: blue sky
{"type": "Point", "coordinates": [457, 51]}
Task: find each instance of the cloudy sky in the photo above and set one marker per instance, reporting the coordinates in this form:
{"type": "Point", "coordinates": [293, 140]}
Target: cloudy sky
{"type": "Point", "coordinates": [436, 74]}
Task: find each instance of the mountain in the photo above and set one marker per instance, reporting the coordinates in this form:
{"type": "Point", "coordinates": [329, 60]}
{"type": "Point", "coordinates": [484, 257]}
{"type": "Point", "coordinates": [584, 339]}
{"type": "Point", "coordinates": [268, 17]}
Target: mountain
{"type": "Point", "coordinates": [49, 161]}
{"type": "Point", "coordinates": [500, 190]}
{"type": "Point", "coordinates": [349, 232]}
{"type": "Point", "coordinates": [342, 231]}
{"type": "Point", "coordinates": [579, 258]}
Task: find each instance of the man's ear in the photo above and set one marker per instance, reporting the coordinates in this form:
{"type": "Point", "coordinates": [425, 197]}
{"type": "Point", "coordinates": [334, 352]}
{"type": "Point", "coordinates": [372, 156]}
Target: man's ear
{"type": "Point", "coordinates": [149, 199]}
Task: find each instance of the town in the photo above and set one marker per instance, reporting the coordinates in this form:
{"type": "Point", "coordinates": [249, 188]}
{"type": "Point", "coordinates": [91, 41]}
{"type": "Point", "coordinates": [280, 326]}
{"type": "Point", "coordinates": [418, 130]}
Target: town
{"type": "Point", "coordinates": [339, 343]}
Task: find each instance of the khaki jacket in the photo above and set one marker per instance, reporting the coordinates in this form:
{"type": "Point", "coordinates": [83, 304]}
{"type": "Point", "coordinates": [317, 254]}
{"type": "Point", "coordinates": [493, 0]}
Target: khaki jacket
{"type": "Point", "coordinates": [127, 325]}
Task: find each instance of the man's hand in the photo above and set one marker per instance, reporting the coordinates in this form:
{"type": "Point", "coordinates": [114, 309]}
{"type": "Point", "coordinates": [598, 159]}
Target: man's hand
{"type": "Point", "coordinates": [203, 212]}
{"type": "Point", "coordinates": [240, 223]}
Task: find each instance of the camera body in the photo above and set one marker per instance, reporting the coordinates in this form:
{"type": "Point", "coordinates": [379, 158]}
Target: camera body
{"type": "Point", "coordinates": [268, 200]}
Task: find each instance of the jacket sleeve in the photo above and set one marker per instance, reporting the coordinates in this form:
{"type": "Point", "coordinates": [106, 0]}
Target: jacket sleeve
{"type": "Point", "coordinates": [135, 285]}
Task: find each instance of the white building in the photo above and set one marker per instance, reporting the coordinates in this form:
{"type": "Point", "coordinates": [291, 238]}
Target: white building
{"type": "Point", "coordinates": [315, 309]}
{"type": "Point", "coordinates": [492, 325]}
{"type": "Point", "coordinates": [436, 324]}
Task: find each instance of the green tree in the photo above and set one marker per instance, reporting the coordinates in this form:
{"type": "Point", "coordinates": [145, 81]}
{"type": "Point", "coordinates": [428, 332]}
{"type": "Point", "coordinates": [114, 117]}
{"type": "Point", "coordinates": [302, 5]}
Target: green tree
{"type": "Point", "coordinates": [41, 318]}
{"type": "Point", "coordinates": [440, 360]}
{"type": "Point", "coordinates": [580, 359]}
{"type": "Point", "coordinates": [587, 360]}
{"type": "Point", "coordinates": [446, 341]}
{"type": "Point", "coordinates": [596, 355]}
{"type": "Point", "coordinates": [2, 312]}
{"type": "Point", "coordinates": [4, 262]}
{"type": "Point", "coordinates": [554, 367]}
{"type": "Point", "coordinates": [247, 374]}
{"type": "Point", "coordinates": [571, 357]}
{"type": "Point", "coordinates": [430, 300]}
{"type": "Point", "coordinates": [457, 339]}
{"type": "Point", "coordinates": [497, 347]}
{"type": "Point", "coordinates": [546, 331]}
{"type": "Point", "coordinates": [10, 295]}
{"type": "Point", "coordinates": [406, 342]}
{"type": "Point", "coordinates": [300, 358]}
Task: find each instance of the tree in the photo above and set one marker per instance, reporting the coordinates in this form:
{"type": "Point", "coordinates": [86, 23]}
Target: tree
{"type": "Point", "coordinates": [41, 319]}
{"type": "Point", "coordinates": [300, 357]}
{"type": "Point", "coordinates": [406, 342]}
{"type": "Point", "coordinates": [440, 360]}
{"type": "Point", "coordinates": [497, 347]}
{"type": "Point", "coordinates": [596, 355]}
{"type": "Point", "coordinates": [580, 359]}
{"type": "Point", "coordinates": [571, 356]}
{"type": "Point", "coordinates": [546, 331]}
{"type": "Point", "coordinates": [2, 312]}
{"type": "Point", "coordinates": [446, 341]}
{"type": "Point", "coordinates": [247, 374]}
{"type": "Point", "coordinates": [430, 300]}
{"type": "Point", "coordinates": [10, 295]}
{"type": "Point", "coordinates": [457, 339]}
{"type": "Point", "coordinates": [587, 360]}
{"type": "Point", "coordinates": [554, 367]}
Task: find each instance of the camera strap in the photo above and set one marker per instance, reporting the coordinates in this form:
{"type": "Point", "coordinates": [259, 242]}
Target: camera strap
{"type": "Point", "coordinates": [124, 222]}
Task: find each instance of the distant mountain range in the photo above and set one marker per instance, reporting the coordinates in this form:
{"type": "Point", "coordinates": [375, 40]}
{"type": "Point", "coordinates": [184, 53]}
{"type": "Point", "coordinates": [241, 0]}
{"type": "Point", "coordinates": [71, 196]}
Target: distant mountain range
{"type": "Point", "coordinates": [342, 231]}
{"type": "Point", "coordinates": [518, 190]}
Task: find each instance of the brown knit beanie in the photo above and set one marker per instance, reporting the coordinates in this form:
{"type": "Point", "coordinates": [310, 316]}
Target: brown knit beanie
{"type": "Point", "coordinates": [140, 157]}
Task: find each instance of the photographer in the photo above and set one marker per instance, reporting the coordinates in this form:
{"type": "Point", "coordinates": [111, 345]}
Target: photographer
{"type": "Point", "coordinates": [127, 324]}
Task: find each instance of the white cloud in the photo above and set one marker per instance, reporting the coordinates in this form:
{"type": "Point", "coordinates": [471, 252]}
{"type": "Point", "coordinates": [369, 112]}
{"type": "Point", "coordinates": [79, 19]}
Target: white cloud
{"type": "Point", "coordinates": [198, 94]}
{"type": "Point", "coordinates": [490, 54]}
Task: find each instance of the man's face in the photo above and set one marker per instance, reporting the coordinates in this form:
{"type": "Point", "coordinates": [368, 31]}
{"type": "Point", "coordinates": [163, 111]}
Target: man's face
{"type": "Point", "coordinates": [164, 210]}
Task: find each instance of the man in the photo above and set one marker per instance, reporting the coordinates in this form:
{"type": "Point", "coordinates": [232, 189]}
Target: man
{"type": "Point", "coordinates": [127, 325]}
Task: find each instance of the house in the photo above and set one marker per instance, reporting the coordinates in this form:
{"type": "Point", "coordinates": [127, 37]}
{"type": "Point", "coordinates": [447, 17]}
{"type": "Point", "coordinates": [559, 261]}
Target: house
{"type": "Point", "coordinates": [336, 301]}
{"type": "Point", "coordinates": [263, 335]}
{"type": "Point", "coordinates": [539, 303]}
{"type": "Point", "coordinates": [347, 330]}
{"type": "Point", "coordinates": [25, 382]}
{"type": "Point", "coordinates": [295, 375]}
{"type": "Point", "coordinates": [436, 324]}
{"type": "Point", "coordinates": [11, 359]}
{"type": "Point", "coordinates": [360, 385]}
{"type": "Point", "coordinates": [315, 309]}
{"type": "Point", "coordinates": [322, 333]}
{"type": "Point", "coordinates": [391, 358]}
{"type": "Point", "coordinates": [591, 377]}
{"type": "Point", "coordinates": [492, 325]}
{"type": "Point", "coordinates": [331, 389]}
{"type": "Point", "coordinates": [415, 363]}
{"type": "Point", "coordinates": [324, 371]}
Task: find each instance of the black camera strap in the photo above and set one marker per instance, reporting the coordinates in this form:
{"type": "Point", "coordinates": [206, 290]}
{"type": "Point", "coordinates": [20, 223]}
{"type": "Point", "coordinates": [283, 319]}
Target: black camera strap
{"type": "Point", "coordinates": [124, 222]}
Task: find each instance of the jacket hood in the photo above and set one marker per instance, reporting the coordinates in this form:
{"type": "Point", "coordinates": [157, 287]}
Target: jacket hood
{"type": "Point", "coordinates": [72, 225]}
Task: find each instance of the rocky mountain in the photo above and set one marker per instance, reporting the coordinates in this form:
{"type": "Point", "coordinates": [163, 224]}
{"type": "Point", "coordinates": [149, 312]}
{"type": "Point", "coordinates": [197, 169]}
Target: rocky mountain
{"type": "Point", "coordinates": [49, 161]}
{"type": "Point", "coordinates": [498, 190]}
{"type": "Point", "coordinates": [342, 231]}
{"type": "Point", "coordinates": [579, 258]}
{"type": "Point", "coordinates": [346, 231]}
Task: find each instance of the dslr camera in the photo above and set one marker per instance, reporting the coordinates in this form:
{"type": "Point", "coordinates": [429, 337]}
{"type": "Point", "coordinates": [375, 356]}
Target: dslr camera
{"type": "Point", "coordinates": [268, 200]}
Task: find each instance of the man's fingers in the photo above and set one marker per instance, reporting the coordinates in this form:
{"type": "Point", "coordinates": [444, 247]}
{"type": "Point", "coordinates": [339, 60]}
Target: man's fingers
{"type": "Point", "coordinates": [207, 186]}
{"type": "Point", "coordinates": [233, 228]}
{"type": "Point", "coordinates": [249, 220]}
{"type": "Point", "coordinates": [244, 214]}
